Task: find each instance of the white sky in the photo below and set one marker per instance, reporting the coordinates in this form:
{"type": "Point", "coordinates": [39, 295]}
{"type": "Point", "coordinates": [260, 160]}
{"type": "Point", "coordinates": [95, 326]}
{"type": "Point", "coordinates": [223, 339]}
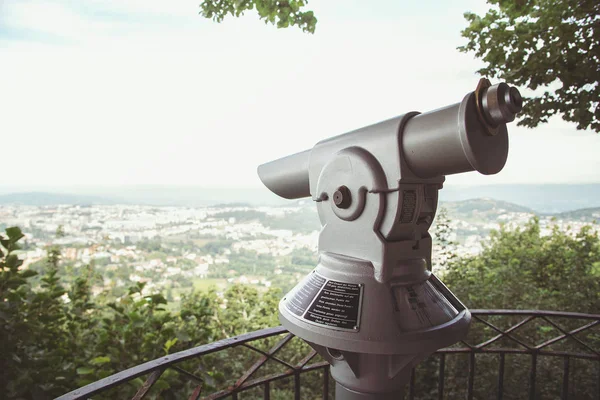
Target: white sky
{"type": "Point", "coordinates": [149, 92]}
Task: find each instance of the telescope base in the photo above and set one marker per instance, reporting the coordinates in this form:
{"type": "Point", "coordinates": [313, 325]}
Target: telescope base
{"type": "Point", "coordinates": [342, 393]}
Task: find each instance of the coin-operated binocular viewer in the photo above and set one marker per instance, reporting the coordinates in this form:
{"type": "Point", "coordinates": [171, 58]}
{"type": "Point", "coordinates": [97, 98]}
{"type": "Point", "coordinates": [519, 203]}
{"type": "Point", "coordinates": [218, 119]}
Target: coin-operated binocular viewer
{"type": "Point", "coordinates": [372, 308]}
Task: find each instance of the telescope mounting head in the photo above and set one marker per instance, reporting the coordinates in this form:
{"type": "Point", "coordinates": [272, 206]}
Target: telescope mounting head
{"type": "Point", "coordinates": [372, 306]}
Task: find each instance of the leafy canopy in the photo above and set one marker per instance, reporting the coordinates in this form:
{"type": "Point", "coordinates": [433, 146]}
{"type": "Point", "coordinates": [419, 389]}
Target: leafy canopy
{"type": "Point", "coordinates": [534, 267]}
{"type": "Point", "coordinates": [283, 13]}
{"type": "Point", "coordinates": [57, 336]}
{"type": "Point", "coordinates": [549, 45]}
{"type": "Point", "coordinates": [527, 268]}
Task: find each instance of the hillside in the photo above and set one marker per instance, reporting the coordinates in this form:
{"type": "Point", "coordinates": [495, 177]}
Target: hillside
{"type": "Point", "coordinates": [584, 215]}
{"type": "Point", "coordinates": [551, 198]}
{"type": "Point", "coordinates": [482, 210]}
{"type": "Point", "coordinates": [484, 205]}
{"type": "Point", "coordinates": [305, 217]}
{"type": "Point", "coordinates": [53, 199]}
{"type": "Point", "coordinates": [543, 198]}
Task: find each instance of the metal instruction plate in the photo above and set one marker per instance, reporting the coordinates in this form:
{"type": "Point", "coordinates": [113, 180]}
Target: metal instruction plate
{"type": "Point", "coordinates": [327, 302]}
{"type": "Point", "coordinates": [305, 294]}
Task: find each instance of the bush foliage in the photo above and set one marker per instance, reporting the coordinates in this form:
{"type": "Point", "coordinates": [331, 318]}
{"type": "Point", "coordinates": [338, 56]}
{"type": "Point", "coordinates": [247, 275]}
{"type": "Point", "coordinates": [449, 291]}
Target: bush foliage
{"type": "Point", "coordinates": [55, 337]}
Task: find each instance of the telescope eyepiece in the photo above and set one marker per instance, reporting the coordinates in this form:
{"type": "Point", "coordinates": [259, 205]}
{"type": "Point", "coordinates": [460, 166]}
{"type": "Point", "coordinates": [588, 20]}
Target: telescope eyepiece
{"type": "Point", "coordinates": [499, 104]}
{"type": "Point", "coordinates": [515, 101]}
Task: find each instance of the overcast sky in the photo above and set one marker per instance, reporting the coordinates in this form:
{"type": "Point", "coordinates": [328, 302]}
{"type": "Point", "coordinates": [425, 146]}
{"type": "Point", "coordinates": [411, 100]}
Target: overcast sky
{"type": "Point", "coordinates": [149, 92]}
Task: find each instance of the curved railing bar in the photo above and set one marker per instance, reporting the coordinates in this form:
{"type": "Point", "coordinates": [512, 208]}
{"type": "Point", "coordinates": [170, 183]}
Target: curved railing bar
{"type": "Point", "coordinates": [147, 367]}
{"type": "Point", "coordinates": [536, 313]}
{"type": "Point", "coordinates": [163, 363]}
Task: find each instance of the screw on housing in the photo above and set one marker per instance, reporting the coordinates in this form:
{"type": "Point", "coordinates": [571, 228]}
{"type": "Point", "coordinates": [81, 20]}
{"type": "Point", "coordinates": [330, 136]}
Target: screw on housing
{"type": "Point", "coordinates": [342, 197]}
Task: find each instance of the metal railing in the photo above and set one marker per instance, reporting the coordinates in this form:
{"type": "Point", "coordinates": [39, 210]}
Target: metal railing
{"type": "Point", "coordinates": [538, 336]}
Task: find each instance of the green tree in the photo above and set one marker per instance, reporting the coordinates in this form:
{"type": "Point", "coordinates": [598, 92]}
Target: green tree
{"type": "Point", "coordinates": [217, 246]}
{"type": "Point", "coordinates": [282, 13]}
{"type": "Point", "coordinates": [527, 268]}
{"type": "Point", "coordinates": [32, 326]}
{"type": "Point", "coordinates": [246, 310]}
{"type": "Point", "coordinates": [524, 269]}
{"type": "Point", "coordinates": [305, 257]}
{"type": "Point", "coordinates": [54, 339]}
{"type": "Point", "coordinates": [549, 45]}
{"type": "Point", "coordinates": [60, 231]}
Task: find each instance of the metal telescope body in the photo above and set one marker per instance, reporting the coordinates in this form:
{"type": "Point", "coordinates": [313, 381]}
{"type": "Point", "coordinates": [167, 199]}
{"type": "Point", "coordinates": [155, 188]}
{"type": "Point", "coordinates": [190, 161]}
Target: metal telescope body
{"type": "Point", "coordinates": [372, 307]}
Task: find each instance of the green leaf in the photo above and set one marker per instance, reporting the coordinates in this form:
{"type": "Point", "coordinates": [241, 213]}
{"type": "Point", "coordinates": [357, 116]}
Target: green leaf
{"type": "Point", "coordinates": [137, 288]}
{"type": "Point", "coordinates": [170, 343]}
{"type": "Point", "coordinates": [28, 273]}
{"type": "Point", "coordinates": [84, 370]}
{"type": "Point", "coordinates": [100, 360]}
{"type": "Point", "coordinates": [14, 234]}
{"type": "Point", "coordinates": [5, 243]}
{"type": "Point", "coordinates": [12, 261]}
{"type": "Point", "coordinates": [157, 299]}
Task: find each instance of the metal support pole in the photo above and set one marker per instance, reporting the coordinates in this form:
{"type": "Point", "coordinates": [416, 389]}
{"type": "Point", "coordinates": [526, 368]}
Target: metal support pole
{"type": "Point", "coordinates": [342, 393]}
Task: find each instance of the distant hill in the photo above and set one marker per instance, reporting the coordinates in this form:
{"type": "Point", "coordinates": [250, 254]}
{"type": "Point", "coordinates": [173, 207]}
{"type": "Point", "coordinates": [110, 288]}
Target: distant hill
{"type": "Point", "coordinates": [305, 218]}
{"type": "Point", "coordinates": [163, 195]}
{"type": "Point", "coordinates": [154, 195]}
{"type": "Point", "coordinates": [484, 205]}
{"type": "Point", "coordinates": [485, 209]}
{"type": "Point", "coordinates": [585, 215]}
{"type": "Point", "coordinates": [546, 198]}
{"type": "Point", "coordinates": [222, 205]}
{"type": "Point", "coordinates": [52, 199]}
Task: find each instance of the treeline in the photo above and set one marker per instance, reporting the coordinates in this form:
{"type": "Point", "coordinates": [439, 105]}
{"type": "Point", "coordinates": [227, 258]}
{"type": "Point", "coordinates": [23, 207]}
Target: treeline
{"type": "Point", "coordinates": [55, 337]}
{"type": "Point", "coordinates": [527, 269]}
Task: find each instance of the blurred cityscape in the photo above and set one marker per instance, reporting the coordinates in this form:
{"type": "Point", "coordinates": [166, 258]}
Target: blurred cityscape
{"type": "Point", "coordinates": [177, 249]}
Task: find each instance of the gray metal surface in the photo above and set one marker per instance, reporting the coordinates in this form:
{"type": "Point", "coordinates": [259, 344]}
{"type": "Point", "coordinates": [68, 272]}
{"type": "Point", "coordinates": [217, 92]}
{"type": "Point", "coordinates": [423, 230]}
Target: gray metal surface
{"type": "Point", "coordinates": [288, 176]}
{"type": "Point", "coordinates": [347, 394]}
{"type": "Point", "coordinates": [384, 320]}
{"type": "Point", "coordinates": [452, 140]}
{"type": "Point", "coordinates": [390, 335]}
